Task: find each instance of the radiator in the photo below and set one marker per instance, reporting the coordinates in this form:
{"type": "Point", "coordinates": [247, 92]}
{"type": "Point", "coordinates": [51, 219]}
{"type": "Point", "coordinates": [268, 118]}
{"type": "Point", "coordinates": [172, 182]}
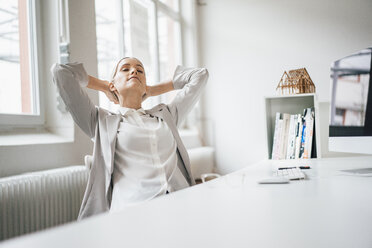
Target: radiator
{"type": "Point", "coordinates": [35, 201]}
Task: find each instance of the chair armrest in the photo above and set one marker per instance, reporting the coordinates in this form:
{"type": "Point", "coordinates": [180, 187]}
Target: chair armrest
{"type": "Point", "coordinates": [88, 159]}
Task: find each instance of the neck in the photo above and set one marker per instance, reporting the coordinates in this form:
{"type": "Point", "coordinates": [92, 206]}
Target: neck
{"type": "Point", "coordinates": [133, 101]}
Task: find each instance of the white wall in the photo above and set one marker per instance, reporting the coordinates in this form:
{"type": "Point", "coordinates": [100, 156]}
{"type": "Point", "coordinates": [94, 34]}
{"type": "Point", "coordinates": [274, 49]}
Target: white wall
{"type": "Point", "coordinates": [246, 46]}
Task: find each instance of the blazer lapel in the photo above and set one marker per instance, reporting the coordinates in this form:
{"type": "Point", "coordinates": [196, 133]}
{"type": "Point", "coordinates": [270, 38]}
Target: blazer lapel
{"type": "Point", "coordinates": [112, 123]}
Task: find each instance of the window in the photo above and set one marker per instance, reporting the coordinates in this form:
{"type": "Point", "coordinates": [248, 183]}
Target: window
{"type": "Point", "coordinates": [147, 29]}
{"type": "Point", "coordinates": [19, 93]}
{"type": "Point", "coordinates": [169, 45]}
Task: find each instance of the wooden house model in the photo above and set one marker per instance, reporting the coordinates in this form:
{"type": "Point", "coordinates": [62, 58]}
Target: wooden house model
{"type": "Point", "coordinates": [296, 82]}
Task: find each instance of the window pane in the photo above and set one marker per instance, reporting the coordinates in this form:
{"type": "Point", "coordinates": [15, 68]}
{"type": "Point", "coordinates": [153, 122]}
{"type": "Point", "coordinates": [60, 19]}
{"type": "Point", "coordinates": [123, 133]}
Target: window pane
{"type": "Point", "coordinates": [125, 30]}
{"type": "Point", "coordinates": [140, 39]}
{"type": "Point", "coordinates": [173, 4]}
{"type": "Point", "coordinates": [15, 79]}
{"type": "Point", "coordinates": [169, 48]}
{"type": "Point", "coordinates": [108, 38]}
{"type": "Point", "coordinates": [139, 34]}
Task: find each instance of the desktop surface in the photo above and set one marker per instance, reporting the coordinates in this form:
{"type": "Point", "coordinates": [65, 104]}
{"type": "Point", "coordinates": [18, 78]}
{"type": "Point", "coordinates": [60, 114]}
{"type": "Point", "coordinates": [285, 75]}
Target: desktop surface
{"type": "Point", "coordinates": [328, 209]}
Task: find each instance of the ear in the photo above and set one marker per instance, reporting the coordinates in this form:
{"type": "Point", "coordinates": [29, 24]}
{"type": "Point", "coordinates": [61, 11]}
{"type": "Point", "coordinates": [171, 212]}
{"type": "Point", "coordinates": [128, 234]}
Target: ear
{"type": "Point", "coordinates": [112, 87]}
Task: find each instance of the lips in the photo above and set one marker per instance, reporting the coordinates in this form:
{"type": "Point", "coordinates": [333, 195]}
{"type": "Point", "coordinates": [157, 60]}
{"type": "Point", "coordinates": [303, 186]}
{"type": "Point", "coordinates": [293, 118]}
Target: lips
{"type": "Point", "coordinates": [134, 78]}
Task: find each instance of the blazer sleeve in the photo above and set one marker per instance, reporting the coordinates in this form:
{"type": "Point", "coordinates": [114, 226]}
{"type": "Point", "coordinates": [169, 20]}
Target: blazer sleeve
{"type": "Point", "coordinates": [191, 82]}
{"type": "Point", "coordinates": [70, 80]}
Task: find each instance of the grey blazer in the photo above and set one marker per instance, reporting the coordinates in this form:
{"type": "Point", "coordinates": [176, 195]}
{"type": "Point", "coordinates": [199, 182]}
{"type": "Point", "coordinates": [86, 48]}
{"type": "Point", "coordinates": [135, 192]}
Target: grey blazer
{"type": "Point", "coordinates": [101, 126]}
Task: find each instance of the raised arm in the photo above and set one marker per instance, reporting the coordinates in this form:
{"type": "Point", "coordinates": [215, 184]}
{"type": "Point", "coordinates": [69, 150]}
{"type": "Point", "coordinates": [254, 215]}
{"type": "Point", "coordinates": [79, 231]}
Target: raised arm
{"type": "Point", "coordinates": [97, 84]}
{"type": "Point", "coordinates": [159, 89]}
{"type": "Point", "coordinates": [102, 85]}
{"type": "Point", "coordinates": [70, 79]}
{"type": "Point", "coordinates": [191, 82]}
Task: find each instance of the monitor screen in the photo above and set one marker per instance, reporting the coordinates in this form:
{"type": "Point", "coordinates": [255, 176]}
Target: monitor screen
{"type": "Point", "coordinates": [351, 101]}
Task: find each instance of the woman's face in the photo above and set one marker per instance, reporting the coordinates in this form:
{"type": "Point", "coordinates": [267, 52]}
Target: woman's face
{"type": "Point", "coordinates": [130, 78]}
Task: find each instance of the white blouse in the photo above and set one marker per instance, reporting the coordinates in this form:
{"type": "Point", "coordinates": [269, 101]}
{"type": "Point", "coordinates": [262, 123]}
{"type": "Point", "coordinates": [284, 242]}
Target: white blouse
{"type": "Point", "coordinates": [145, 159]}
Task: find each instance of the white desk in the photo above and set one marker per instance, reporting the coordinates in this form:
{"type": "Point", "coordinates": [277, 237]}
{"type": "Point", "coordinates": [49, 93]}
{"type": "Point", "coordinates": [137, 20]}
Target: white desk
{"type": "Point", "coordinates": [327, 210]}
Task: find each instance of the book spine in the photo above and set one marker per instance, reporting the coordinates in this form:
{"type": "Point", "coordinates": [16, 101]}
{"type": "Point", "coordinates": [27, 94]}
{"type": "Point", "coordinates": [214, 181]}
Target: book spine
{"type": "Point", "coordinates": [303, 136]}
{"type": "Point", "coordinates": [291, 137]}
{"type": "Point", "coordinates": [278, 143]}
{"type": "Point", "coordinates": [309, 118]}
{"type": "Point", "coordinates": [298, 136]}
{"type": "Point", "coordinates": [276, 138]}
{"type": "Point", "coordinates": [284, 140]}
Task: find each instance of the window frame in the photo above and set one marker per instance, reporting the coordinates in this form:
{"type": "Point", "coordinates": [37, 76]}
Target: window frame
{"type": "Point", "coordinates": [174, 15]}
{"type": "Point", "coordinates": [11, 121]}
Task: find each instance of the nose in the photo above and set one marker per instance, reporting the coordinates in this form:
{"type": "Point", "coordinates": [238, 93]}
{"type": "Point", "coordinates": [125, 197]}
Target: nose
{"type": "Point", "coordinates": [134, 71]}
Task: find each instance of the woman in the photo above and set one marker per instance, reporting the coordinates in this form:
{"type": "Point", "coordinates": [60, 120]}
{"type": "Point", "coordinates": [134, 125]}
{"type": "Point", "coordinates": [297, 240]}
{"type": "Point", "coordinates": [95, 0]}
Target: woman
{"type": "Point", "coordinates": [138, 154]}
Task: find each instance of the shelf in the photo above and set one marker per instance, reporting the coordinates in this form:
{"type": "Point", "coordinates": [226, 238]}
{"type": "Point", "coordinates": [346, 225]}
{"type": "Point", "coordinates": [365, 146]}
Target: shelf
{"type": "Point", "coordinates": [291, 104]}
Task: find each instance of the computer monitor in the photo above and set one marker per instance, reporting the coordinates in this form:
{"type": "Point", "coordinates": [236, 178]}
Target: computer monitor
{"type": "Point", "coordinates": [350, 125]}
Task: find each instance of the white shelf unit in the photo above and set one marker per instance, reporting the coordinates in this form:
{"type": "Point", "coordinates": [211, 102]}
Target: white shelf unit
{"type": "Point", "coordinates": [291, 104]}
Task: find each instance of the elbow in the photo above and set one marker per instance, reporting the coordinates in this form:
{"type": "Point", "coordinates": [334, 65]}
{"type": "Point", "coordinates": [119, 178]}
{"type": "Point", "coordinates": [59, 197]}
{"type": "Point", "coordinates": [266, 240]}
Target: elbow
{"type": "Point", "coordinates": [205, 74]}
{"type": "Point", "coordinates": [54, 68]}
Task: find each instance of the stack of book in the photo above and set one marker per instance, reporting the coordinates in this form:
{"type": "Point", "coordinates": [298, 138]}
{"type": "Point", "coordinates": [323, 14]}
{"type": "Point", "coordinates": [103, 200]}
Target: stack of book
{"type": "Point", "coordinates": [293, 135]}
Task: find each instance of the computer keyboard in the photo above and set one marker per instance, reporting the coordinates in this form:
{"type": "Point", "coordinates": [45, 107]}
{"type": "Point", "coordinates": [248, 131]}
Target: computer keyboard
{"type": "Point", "coordinates": [293, 173]}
